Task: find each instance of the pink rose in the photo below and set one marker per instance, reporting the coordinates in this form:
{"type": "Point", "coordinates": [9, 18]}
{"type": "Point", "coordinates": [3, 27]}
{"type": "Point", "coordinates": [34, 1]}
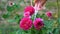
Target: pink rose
{"type": "Point", "coordinates": [38, 23]}
{"type": "Point", "coordinates": [25, 23]}
{"type": "Point", "coordinates": [29, 9]}
{"type": "Point", "coordinates": [27, 14]}
{"type": "Point", "coordinates": [49, 14]}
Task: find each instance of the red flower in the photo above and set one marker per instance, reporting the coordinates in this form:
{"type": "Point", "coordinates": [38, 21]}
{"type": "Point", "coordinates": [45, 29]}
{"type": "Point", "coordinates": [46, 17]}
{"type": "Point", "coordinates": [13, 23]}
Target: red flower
{"type": "Point", "coordinates": [38, 23]}
{"type": "Point", "coordinates": [29, 9]}
{"type": "Point", "coordinates": [26, 23]}
{"type": "Point", "coordinates": [49, 14]}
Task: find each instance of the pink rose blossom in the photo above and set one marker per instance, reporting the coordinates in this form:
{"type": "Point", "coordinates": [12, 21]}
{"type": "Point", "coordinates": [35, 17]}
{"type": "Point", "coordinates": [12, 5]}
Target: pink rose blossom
{"type": "Point", "coordinates": [29, 9]}
{"type": "Point", "coordinates": [38, 23]}
{"type": "Point", "coordinates": [26, 23]}
{"type": "Point", "coordinates": [27, 14]}
{"type": "Point", "coordinates": [49, 14]}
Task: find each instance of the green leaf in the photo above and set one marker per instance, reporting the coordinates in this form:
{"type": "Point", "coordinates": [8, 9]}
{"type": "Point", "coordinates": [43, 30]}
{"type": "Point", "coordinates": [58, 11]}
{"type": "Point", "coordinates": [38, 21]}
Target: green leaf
{"type": "Point", "coordinates": [59, 20]}
{"type": "Point", "coordinates": [48, 23]}
{"type": "Point", "coordinates": [56, 31]}
{"type": "Point", "coordinates": [32, 31]}
{"type": "Point", "coordinates": [19, 32]}
{"type": "Point", "coordinates": [18, 18]}
{"type": "Point", "coordinates": [23, 32]}
{"type": "Point", "coordinates": [41, 16]}
{"type": "Point", "coordinates": [9, 8]}
{"type": "Point", "coordinates": [14, 32]}
{"type": "Point", "coordinates": [44, 30]}
{"type": "Point", "coordinates": [5, 15]}
{"type": "Point", "coordinates": [38, 15]}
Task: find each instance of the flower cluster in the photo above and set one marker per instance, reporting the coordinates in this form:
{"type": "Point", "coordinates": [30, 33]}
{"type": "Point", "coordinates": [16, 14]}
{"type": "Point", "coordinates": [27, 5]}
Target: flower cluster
{"type": "Point", "coordinates": [26, 23]}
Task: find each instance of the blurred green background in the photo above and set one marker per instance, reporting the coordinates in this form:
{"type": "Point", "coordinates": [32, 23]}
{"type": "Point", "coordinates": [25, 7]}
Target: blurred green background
{"type": "Point", "coordinates": [9, 20]}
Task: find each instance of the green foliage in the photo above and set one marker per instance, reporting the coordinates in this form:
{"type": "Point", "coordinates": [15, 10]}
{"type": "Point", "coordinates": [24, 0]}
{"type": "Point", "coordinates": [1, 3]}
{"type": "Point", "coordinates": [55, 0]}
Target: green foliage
{"type": "Point", "coordinates": [13, 7]}
{"type": "Point", "coordinates": [5, 15]}
{"type": "Point", "coordinates": [59, 20]}
{"type": "Point", "coordinates": [56, 31]}
{"type": "Point", "coordinates": [17, 18]}
{"type": "Point", "coordinates": [48, 23]}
